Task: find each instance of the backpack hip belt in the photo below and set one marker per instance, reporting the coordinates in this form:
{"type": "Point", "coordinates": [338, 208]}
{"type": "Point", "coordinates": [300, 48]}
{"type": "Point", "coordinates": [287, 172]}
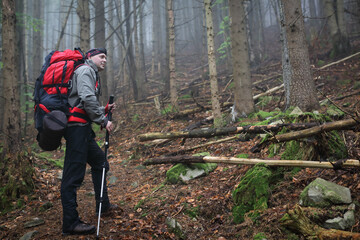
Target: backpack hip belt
{"type": "Point", "coordinates": [78, 115]}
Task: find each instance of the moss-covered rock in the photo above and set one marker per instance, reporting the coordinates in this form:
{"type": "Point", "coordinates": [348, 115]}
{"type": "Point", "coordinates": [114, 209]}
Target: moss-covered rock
{"type": "Point", "coordinates": [335, 112]}
{"type": "Point", "coordinates": [322, 193]}
{"type": "Point", "coordinates": [252, 192]}
{"type": "Point", "coordinates": [182, 173]}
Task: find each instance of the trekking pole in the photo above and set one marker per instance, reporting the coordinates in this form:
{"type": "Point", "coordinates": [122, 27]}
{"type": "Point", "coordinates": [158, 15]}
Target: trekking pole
{"type": "Point", "coordinates": [111, 100]}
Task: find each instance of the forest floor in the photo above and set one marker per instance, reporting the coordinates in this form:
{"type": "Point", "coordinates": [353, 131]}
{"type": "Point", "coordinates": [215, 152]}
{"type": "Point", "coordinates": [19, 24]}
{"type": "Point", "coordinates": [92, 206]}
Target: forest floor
{"type": "Point", "coordinates": [203, 207]}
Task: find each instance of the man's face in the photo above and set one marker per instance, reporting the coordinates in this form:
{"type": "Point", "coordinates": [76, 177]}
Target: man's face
{"type": "Point", "coordinates": [99, 60]}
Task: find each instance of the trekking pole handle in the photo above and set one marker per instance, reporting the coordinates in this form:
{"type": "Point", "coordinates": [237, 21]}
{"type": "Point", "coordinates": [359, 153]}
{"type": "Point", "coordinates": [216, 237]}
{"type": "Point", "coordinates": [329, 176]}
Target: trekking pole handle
{"type": "Point", "coordinates": [111, 101]}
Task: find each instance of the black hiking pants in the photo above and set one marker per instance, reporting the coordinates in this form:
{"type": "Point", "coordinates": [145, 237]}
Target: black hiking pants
{"type": "Point", "coordinates": [81, 148]}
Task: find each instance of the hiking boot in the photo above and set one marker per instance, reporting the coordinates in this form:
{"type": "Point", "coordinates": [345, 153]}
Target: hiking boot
{"type": "Point", "coordinates": [109, 210]}
{"type": "Point", "coordinates": [81, 229]}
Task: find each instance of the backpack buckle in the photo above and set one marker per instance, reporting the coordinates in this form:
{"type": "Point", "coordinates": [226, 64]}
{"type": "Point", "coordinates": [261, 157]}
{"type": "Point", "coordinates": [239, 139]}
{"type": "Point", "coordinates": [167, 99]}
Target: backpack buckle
{"type": "Point", "coordinates": [70, 84]}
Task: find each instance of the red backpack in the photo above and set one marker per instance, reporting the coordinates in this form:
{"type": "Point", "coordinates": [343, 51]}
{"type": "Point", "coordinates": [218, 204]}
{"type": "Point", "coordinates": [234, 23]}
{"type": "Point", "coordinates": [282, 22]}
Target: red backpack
{"type": "Point", "coordinates": [51, 96]}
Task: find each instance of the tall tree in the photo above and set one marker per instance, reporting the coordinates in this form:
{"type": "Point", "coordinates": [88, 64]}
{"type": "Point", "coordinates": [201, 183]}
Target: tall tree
{"type": "Point", "coordinates": [142, 50]}
{"type": "Point", "coordinates": [171, 31]}
{"type": "Point", "coordinates": [139, 75]}
{"type": "Point", "coordinates": [166, 68]}
{"type": "Point", "coordinates": [11, 115]}
{"type": "Point", "coordinates": [218, 120]}
{"type": "Point", "coordinates": [334, 10]}
{"type": "Point", "coordinates": [244, 103]}
{"type": "Point", "coordinates": [300, 86]}
{"type": "Point", "coordinates": [37, 42]}
{"type": "Point", "coordinates": [110, 45]}
{"type": "Point", "coordinates": [129, 52]}
{"type": "Point", "coordinates": [62, 32]}
{"type": "Point", "coordinates": [23, 61]}
{"type": "Point", "coordinates": [156, 37]}
{"type": "Point", "coordinates": [83, 12]}
{"type": "Point", "coordinates": [100, 42]}
{"type": "Point", "coordinates": [256, 35]}
{"type": "Point", "coordinates": [1, 81]}
{"type": "Point", "coordinates": [15, 170]}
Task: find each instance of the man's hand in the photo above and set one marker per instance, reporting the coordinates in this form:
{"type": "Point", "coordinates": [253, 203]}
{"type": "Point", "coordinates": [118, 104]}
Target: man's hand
{"type": "Point", "coordinates": [110, 107]}
{"type": "Point", "coordinates": [109, 126]}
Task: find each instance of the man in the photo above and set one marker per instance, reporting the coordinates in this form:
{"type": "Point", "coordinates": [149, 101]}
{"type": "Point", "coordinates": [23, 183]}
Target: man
{"type": "Point", "coordinates": [81, 147]}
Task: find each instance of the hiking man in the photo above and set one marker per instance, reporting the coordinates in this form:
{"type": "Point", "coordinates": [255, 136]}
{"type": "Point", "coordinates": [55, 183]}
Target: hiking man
{"type": "Point", "coordinates": [81, 147]}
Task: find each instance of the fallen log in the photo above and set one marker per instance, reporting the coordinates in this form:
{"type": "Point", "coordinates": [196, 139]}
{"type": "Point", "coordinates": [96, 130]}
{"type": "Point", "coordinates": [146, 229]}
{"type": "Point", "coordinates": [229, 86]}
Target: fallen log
{"type": "Point", "coordinates": [198, 133]}
{"type": "Point", "coordinates": [296, 221]}
{"type": "Point", "coordinates": [248, 161]}
{"type": "Point", "coordinates": [326, 127]}
{"type": "Point", "coordinates": [182, 151]}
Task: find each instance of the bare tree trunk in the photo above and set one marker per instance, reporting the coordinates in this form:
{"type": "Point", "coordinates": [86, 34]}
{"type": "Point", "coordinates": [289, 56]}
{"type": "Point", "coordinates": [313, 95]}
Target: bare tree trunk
{"type": "Point", "coordinates": [129, 52]}
{"type": "Point", "coordinates": [84, 17]}
{"type": "Point", "coordinates": [122, 74]}
{"type": "Point", "coordinates": [334, 11]}
{"type": "Point", "coordinates": [100, 42]}
{"type": "Point", "coordinates": [24, 58]}
{"type": "Point", "coordinates": [15, 170]}
{"type": "Point", "coordinates": [156, 37]}
{"type": "Point", "coordinates": [342, 26]}
{"type": "Point", "coordinates": [11, 129]}
{"type": "Point", "coordinates": [142, 50]}
{"type": "Point", "coordinates": [37, 43]}
{"type": "Point", "coordinates": [244, 103]}
{"type": "Point", "coordinates": [110, 55]}
{"type": "Point", "coordinates": [173, 88]}
{"type": "Point", "coordinates": [284, 54]}
{"type": "Point", "coordinates": [166, 68]}
{"type": "Point", "coordinates": [140, 73]}
{"type": "Point", "coordinates": [218, 121]}
{"type": "Point", "coordinates": [64, 26]}
{"type": "Point", "coordinates": [301, 86]}
{"type": "Point", "coordinates": [139, 76]}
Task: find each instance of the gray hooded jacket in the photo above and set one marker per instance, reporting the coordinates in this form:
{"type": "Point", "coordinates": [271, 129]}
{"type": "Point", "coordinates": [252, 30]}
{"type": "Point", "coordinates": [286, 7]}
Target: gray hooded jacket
{"type": "Point", "coordinates": [85, 94]}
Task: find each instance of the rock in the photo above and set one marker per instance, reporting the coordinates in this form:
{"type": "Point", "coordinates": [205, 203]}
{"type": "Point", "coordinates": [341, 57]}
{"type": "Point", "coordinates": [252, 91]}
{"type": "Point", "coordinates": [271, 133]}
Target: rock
{"type": "Point", "coordinates": [322, 193]}
{"type": "Point", "coordinates": [252, 193]}
{"type": "Point", "coordinates": [112, 180]}
{"type": "Point", "coordinates": [90, 194]}
{"type": "Point", "coordinates": [335, 223]}
{"type": "Point", "coordinates": [297, 111]}
{"type": "Point", "coordinates": [351, 207]}
{"type": "Point", "coordinates": [175, 227]}
{"type": "Point", "coordinates": [135, 184]}
{"type": "Point", "coordinates": [343, 223]}
{"type": "Point", "coordinates": [349, 218]}
{"type": "Point", "coordinates": [59, 175]}
{"type": "Point", "coordinates": [34, 222]}
{"type": "Point", "coordinates": [46, 206]}
{"type": "Point", "coordinates": [335, 112]}
{"type": "Point", "coordinates": [182, 173]}
{"type": "Point", "coordinates": [140, 167]}
{"type": "Point", "coordinates": [29, 235]}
